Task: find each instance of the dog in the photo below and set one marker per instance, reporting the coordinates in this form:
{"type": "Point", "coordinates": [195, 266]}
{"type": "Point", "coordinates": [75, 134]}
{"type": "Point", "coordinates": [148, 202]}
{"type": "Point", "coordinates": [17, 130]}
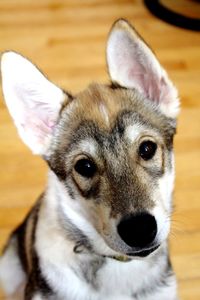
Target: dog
{"type": "Point", "coordinates": [100, 229]}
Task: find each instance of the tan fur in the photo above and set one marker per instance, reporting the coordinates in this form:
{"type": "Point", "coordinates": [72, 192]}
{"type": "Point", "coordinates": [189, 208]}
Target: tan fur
{"type": "Point", "coordinates": [93, 98]}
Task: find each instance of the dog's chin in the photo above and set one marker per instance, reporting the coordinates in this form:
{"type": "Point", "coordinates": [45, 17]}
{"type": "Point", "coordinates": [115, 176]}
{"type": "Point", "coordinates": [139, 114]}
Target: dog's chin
{"type": "Point", "coordinates": [134, 255]}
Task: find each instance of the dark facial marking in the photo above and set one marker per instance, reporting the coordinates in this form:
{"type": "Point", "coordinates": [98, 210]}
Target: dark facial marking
{"type": "Point", "coordinates": [124, 186]}
{"type": "Point", "coordinates": [57, 166]}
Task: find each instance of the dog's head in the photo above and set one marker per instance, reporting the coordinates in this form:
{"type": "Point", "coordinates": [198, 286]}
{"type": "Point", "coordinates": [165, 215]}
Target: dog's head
{"type": "Point", "coordinates": [110, 147]}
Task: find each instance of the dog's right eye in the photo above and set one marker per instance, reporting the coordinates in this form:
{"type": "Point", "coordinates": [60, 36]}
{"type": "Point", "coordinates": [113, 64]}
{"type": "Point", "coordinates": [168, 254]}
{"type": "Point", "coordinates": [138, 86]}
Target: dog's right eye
{"type": "Point", "coordinates": [85, 168]}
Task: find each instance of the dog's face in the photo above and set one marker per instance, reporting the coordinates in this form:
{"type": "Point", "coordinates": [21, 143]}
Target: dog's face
{"type": "Point", "coordinates": [115, 159]}
{"type": "Point", "coordinates": [109, 146]}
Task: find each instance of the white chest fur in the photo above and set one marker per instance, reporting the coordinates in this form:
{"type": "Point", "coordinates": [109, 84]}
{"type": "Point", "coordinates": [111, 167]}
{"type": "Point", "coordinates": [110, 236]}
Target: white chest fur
{"type": "Point", "coordinates": [87, 277]}
{"type": "Point", "coordinates": [113, 280]}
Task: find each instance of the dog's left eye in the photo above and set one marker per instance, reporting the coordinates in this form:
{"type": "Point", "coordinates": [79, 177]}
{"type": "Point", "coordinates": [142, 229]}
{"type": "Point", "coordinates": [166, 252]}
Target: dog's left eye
{"type": "Point", "coordinates": [147, 150]}
{"type": "Point", "coordinates": [85, 167]}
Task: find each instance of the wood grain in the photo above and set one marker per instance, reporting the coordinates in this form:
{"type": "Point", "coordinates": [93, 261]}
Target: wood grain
{"type": "Point", "coordinates": [67, 40]}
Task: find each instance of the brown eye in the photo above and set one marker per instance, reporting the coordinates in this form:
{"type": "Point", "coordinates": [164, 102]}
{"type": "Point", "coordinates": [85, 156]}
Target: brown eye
{"type": "Point", "coordinates": [147, 150]}
{"type": "Point", "coordinates": [85, 168]}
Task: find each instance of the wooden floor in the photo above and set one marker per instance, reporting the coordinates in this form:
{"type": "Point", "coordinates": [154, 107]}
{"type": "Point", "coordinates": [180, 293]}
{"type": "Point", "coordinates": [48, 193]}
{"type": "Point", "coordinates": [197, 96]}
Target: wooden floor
{"type": "Point", "coordinates": [67, 40]}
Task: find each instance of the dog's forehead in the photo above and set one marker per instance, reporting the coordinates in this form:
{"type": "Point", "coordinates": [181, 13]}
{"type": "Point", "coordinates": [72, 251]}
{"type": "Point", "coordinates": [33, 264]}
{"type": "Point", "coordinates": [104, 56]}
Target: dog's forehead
{"type": "Point", "coordinates": [115, 110]}
{"type": "Point", "coordinates": [101, 104]}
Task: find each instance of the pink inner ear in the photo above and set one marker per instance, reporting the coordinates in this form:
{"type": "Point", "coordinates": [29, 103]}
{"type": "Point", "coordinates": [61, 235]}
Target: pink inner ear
{"type": "Point", "coordinates": [153, 86]}
{"type": "Point", "coordinates": [141, 73]}
{"type": "Point", "coordinates": [137, 67]}
{"type": "Point", "coordinates": [38, 128]}
{"type": "Point", "coordinates": [39, 121]}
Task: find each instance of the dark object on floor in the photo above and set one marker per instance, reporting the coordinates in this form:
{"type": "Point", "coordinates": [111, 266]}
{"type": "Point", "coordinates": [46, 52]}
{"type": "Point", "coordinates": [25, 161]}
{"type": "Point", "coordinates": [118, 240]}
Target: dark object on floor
{"type": "Point", "coordinates": [167, 15]}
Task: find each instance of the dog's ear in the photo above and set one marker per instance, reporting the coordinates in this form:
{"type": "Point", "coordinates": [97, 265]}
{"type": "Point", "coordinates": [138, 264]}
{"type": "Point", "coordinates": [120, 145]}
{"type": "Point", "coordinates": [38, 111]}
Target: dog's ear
{"type": "Point", "coordinates": [33, 101]}
{"type": "Point", "coordinates": [132, 64]}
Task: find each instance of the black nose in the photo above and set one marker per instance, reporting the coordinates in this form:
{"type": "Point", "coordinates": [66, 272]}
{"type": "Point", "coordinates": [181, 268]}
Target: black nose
{"type": "Point", "coordinates": [138, 230]}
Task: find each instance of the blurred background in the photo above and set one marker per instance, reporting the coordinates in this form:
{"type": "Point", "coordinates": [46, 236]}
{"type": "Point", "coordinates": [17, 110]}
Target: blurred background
{"type": "Point", "coordinates": [66, 39]}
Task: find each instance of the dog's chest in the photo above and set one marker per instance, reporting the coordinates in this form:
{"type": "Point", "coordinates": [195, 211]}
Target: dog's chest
{"type": "Point", "coordinates": [124, 278]}
{"type": "Point", "coordinates": [97, 279]}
